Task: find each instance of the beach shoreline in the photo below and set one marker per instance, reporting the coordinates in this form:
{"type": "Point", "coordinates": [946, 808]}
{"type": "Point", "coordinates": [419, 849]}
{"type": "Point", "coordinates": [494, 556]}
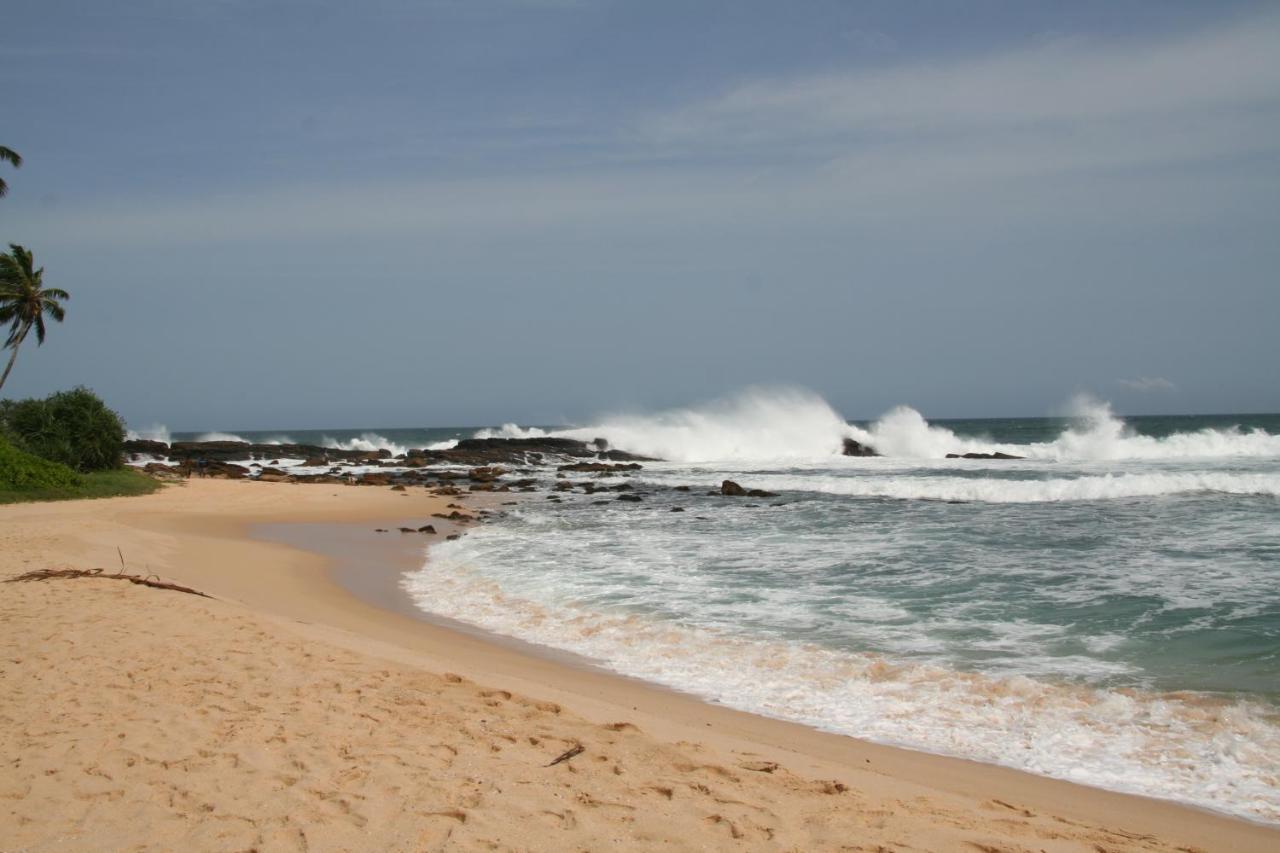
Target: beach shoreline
{"type": "Point", "coordinates": [224, 537]}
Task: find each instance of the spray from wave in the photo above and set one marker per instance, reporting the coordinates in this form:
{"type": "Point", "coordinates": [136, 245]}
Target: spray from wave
{"type": "Point", "coordinates": [793, 423]}
{"type": "Point", "coordinates": [780, 423]}
{"type": "Point", "coordinates": [154, 432]}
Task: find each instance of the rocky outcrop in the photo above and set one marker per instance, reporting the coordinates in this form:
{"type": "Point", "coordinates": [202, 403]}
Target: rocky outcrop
{"type": "Point", "coordinates": [983, 456]}
{"type": "Point", "coordinates": [731, 489]}
{"type": "Point", "coordinates": [857, 448]}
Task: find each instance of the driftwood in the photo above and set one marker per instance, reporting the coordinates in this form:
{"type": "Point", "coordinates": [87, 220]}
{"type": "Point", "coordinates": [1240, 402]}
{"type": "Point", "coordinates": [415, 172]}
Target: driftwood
{"type": "Point", "coordinates": [152, 581]}
{"type": "Point", "coordinates": [567, 754]}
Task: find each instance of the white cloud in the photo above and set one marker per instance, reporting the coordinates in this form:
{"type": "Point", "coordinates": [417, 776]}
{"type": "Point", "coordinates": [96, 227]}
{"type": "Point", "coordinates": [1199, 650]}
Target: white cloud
{"type": "Point", "coordinates": [1058, 106]}
{"type": "Point", "coordinates": [1148, 384]}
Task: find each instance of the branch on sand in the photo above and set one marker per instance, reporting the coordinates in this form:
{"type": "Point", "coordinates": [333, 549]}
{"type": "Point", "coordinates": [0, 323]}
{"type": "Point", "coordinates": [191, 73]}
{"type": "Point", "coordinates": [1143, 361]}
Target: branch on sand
{"type": "Point", "coordinates": [567, 754]}
{"type": "Point", "coordinates": [152, 581]}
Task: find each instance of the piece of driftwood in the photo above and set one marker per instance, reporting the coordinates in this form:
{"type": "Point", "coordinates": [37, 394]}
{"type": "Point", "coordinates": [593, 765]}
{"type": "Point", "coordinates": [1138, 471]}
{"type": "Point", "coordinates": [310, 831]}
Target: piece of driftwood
{"type": "Point", "coordinates": [152, 581]}
{"type": "Point", "coordinates": [577, 749]}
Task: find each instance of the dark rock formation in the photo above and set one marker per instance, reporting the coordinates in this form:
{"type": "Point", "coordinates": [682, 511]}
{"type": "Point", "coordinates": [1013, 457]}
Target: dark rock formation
{"type": "Point", "coordinates": [732, 489]}
{"type": "Point", "coordinates": [857, 448]}
{"type": "Point", "coordinates": [983, 456]}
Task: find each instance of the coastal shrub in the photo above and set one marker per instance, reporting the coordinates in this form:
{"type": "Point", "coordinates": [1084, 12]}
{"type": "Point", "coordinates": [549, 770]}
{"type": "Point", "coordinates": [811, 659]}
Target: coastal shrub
{"type": "Point", "coordinates": [21, 470]}
{"type": "Point", "coordinates": [73, 427]}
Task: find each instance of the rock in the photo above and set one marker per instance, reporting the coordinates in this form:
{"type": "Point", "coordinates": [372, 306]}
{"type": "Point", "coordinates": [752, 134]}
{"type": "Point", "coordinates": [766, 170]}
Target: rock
{"type": "Point", "coordinates": [600, 466]}
{"type": "Point", "coordinates": [272, 475]}
{"type": "Point", "coordinates": [857, 448]}
{"type": "Point", "coordinates": [407, 530]}
{"type": "Point", "coordinates": [681, 488]}
{"type": "Point", "coordinates": [564, 486]}
{"type": "Point", "coordinates": [996, 455]}
{"type": "Point", "coordinates": [761, 493]}
{"type": "Point", "coordinates": [375, 479]}
{"type": "Point", "coordinates": [732, 489]}
{"type": "Point", "coordinates": [142, 445]}
{"type": "Point", "coordinates": [427, 528]}
{"type": "Point", "coordinates": [315, 462]}
{"type": "Point", "coordinates": [399, 487]}
{"type": "Point", "coordinates": [453, 536]}
{"type": "Point", "coordinates": [630, 498]}
{"type": "Point", "coordinates": [677, 509]}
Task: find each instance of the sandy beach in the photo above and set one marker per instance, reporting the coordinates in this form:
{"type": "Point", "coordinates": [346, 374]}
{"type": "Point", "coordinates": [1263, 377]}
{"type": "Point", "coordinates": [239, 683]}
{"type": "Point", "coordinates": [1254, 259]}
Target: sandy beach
{"type": "Point", "coordinates": [307, 706]}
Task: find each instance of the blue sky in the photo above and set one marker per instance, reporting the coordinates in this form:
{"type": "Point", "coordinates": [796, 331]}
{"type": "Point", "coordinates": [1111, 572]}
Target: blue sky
{"type": "Point", "coordinates": [394, 213]}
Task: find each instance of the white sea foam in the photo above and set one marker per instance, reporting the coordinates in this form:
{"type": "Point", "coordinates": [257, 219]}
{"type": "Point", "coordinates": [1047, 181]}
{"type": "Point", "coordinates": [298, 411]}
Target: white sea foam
{"type": "Point", "coordinates": [220, 436]}
{"type": "Point", "coordinates": [1216, 753]}
{"type": "Point", "coordinates": [1096, 435]}
{"type": "Point", "coordinates": [786, 423]}
{"type": "Point", "coordinates": [369, 442]}
{"type": "Point", "coordinates": [155, 432]}
{"type": "Point", "coordinates": [792, 423]}
{"type": "Point", "coordinates": [1007, 490]}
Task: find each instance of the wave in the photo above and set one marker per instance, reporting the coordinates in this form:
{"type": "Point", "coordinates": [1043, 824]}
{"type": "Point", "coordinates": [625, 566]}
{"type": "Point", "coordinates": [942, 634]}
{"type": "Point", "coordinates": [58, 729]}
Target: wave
{"type": "Point", "coordinates": [369, 442]}
{"type": "Point", "coordinates": [1097, 435]}
{"type": "Point", "coordinates": [759, 423]}
{"type": "Point", "coordinates": [794, 423]}
{"type": "Point", "coordinates": [155, 432]}
{"type": "Point", "coordinates": [1002, 490]}
{"type": "Point", "coordinates": [1214, 752]}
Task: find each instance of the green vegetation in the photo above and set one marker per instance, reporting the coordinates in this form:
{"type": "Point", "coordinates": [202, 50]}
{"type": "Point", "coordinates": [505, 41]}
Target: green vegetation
{"type": "Point", "coordinates": [25, 301]}
{"type": "Point", "coordinates": [73, 427]}
{"type": "Point", "coordinates": [20, 470]}
{"type": "Point", "coordinates": [26, 477]}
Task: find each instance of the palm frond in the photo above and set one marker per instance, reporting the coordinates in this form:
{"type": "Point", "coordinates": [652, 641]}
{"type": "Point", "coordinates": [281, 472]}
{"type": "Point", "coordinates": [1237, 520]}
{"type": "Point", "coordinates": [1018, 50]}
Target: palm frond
{"type": "Point", "coordinates": [11, 156]}
{"type": "Point", "coordinates": [39, 324]}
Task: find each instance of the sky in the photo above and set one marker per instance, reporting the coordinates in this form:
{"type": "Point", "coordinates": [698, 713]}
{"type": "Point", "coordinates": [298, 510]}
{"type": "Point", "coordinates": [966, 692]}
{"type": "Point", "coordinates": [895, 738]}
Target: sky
{"type": "Point", "coordinates": [277, 214]}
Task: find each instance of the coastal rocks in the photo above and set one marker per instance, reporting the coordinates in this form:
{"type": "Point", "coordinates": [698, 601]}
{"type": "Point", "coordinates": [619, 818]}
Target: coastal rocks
{"type": "Point", "coordinates": [731, 489]}
{"type": "Point", "coordinates": [599, 466]}
{"type": "Point", "coordinates": [630, 498]}
{"type": "Point", "coordinates": [857, 448]}
{"type": "Point", "coordinates": [983, 456]}
{"type": "Point", "coordinates": [151, 448]}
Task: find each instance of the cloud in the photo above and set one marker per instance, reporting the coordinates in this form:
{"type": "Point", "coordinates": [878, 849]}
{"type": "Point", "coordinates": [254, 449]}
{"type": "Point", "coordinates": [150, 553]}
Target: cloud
{"type": "Point", "coordinates": [1059, 106]}
{"type": "Point", "coordinates": [1148, 385]}
{"type": "Point", "coordinates": [1160, 131]}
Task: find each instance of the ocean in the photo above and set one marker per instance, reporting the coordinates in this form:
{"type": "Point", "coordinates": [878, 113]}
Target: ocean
{"type": "Point", "coordinates": [1105, 610]}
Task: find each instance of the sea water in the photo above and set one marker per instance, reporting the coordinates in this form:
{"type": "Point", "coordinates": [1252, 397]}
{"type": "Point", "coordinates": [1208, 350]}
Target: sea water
{"type": "Point", "coordinates": [1105, 610]}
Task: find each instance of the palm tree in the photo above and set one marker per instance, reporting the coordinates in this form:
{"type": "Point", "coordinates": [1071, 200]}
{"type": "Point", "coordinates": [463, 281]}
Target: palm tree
{"type": "Point", "coordinates": [24, 302]}
{"type": "Point", "coordinates": [8, 155]}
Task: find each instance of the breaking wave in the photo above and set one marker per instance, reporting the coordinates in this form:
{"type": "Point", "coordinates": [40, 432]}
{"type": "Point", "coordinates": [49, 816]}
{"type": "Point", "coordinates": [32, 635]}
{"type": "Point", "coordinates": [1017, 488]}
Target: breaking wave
{"type": "Point", "coordinates": [154, 432]}
{"type": "Point", "coordinates": [369, 441]}
{"type": "Point", "coordinates": [1096, 435]}
{"type": "Point", "coordinates": [1002, 490]}
{"type": "Point", "coordinates": [792, 423]}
